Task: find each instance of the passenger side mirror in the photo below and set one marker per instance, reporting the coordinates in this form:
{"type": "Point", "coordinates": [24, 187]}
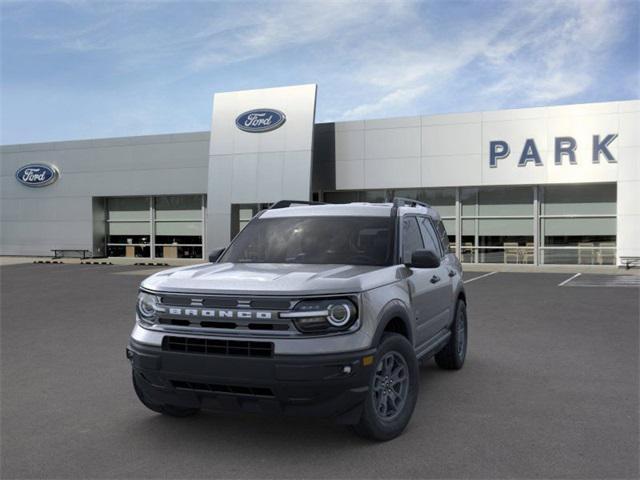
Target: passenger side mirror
{"type": "Point", "coordinates": [215, 255]}
{"type": "Point", "coordinates": [424, 259]}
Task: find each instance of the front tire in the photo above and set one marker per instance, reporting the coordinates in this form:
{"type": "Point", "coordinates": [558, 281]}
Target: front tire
{"type": "Point", "coordinates": [452, 356]}
{"type": "Point", "coordinates": [393, 390]}
{"type": "Point", "coordinates": [169, 410]}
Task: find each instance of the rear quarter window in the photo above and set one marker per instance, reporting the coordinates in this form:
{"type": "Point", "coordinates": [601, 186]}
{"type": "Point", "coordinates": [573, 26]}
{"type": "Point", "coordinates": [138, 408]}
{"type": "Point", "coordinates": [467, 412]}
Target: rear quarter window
{"type": "Point", "coordinates": [442, 233]}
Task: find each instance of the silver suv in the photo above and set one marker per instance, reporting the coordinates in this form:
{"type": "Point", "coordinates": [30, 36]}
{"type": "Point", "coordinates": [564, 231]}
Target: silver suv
{"type": "Point", "coordinates": [312, 309]}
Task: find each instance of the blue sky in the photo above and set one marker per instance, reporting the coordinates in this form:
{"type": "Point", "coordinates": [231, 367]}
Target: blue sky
{"type": "Point", "coordinates": [85, 69]}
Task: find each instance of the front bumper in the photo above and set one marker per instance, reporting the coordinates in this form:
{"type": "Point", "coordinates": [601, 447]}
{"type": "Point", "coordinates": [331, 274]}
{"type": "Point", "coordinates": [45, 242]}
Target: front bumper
{"type": "Point", "coordinates": [313, 385]}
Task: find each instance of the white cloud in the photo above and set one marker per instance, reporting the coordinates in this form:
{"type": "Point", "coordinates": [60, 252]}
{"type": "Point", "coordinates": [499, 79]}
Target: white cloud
{"type": "Point", "coordinates": [558, 61]}
{"type": "Point", "coordinates": [281, 26]}
{"type": "Point", "coordinates": [370, 58]}
{"type": "Point", "coordinates": [391, 101]}
{"type": "Point", "coordinates": [536, 52]}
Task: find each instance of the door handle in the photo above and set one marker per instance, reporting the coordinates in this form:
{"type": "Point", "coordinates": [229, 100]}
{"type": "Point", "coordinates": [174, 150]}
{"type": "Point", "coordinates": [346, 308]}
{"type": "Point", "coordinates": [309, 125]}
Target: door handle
{"type": "Point", "coordinates": [452, 273]}
{"type": "Point", "coordinates": [435, 279]}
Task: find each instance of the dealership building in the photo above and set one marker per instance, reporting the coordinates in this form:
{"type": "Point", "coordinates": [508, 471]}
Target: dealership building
{"type": "Point", "coordinates": [548, 185]}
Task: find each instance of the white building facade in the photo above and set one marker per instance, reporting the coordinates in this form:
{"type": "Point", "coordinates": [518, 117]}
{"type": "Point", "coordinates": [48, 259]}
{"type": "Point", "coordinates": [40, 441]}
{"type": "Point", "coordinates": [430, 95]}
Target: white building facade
{"type": "Point", "coordinates": [549, 185]}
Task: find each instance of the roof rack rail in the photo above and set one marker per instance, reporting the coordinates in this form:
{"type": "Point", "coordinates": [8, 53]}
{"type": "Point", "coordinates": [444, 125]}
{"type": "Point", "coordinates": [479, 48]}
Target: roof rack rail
{"type": "Point", "coordinates": [408, 202]}
{"type": "Point", "coordinates": [289, 203]}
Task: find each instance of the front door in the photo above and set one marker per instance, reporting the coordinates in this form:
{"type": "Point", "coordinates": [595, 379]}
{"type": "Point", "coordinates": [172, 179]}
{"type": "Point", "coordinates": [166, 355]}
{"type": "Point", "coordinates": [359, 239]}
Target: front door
{"type": "Point", "coordinates": [422, 283]}
{"type": "Point", "coordinates": [440, 302]}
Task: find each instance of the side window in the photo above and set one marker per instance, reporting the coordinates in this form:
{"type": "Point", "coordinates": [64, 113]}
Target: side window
{"type": "Point", "coordinates": [444, 238]}
{"type": "Point", "coordinates": [411, 238]}
{"type": "Point", "coordinates": [430, 237]}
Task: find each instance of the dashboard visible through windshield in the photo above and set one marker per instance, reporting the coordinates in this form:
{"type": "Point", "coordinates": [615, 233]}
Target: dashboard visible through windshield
{"type": "Point", "coordinates": [314, 240]}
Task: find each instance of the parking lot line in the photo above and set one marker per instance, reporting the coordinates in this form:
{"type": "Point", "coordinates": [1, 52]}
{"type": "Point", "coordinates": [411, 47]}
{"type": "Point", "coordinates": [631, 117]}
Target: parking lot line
{"type": "Point", "coordinates": [599, 281]}
{"type": "Point", "coordinates": [479, 277]}
{"type": "Point", "coordinates": [569, 279]}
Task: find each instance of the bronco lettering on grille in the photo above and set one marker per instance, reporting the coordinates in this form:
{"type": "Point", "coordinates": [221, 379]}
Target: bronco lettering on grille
{"type": "Point", "coordinates": [216, 313]}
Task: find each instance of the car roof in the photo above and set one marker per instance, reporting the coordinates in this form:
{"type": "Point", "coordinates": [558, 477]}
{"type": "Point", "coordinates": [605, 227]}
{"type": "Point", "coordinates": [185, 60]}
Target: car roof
{"type": "Point", "coordinates": [355, 209]}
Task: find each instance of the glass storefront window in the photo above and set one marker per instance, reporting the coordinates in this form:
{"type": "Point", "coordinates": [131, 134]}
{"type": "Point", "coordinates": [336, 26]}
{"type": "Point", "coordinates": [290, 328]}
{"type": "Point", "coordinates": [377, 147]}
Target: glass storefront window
{"type": "Point", "coordinates": [497, 201]}
{"type": "Point", "coordinates": [505, 201]}
{"type": "Point", "coordinates": [594, 239]}
{"type": "Point", "coordinates": [128, 227]}
{"type": "Point", "coordinates": [177, 231]}
{"type": "Point", "coordinates": [602, 255]}
{"type": "Point", "coordinates": [178, 227]}
{"type": "Point", "coordinates": [597, 199]}
{"type": "Point", "coordinates": [245, 216]}
{"type": "Point", "coordinates": [468, 241]}
{"type": "Point", "coordinates": [374, 196]}
{"type": "Point", "coordinates": [469, 202]}
{"type": "Point", "coordinates": [511, 239]}
{"type": "Point", "coordinates": [128, 208]}
{"type": "Point", "coordinates": [450, 226]}
{"type": "Point", "coordinates": [442, 199]}
{"type": "Point", "coordinates": [179, 207]}
{"type": "Point", "coordinates": [577, 222]}
{"type": "Point", "coordinates": [341, 197]}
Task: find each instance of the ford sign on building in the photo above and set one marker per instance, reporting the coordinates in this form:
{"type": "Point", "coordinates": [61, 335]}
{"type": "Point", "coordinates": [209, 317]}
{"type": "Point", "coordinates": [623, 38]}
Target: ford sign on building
{"type": "Point", "coordinates": [37, 175]}
{"type": "Point", "coordinates": [552, 185]}
{"type": "Point", "coordinates": [260, 120]}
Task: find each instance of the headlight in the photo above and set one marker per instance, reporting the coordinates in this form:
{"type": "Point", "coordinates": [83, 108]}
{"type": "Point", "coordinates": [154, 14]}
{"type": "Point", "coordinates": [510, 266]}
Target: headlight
{"type": "Point", "coordinates": [323, 316]}
{"type": "Point", "coordinates": [146, 307]}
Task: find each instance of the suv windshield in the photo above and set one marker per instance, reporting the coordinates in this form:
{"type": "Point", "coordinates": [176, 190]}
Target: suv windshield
{"type": "Point", "coordinates": [319, 240]}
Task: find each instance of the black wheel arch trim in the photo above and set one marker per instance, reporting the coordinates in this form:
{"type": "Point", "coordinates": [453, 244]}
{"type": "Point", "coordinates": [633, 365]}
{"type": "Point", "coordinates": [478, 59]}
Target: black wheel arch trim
{"type": "Point", "coordinates": [392, 310]}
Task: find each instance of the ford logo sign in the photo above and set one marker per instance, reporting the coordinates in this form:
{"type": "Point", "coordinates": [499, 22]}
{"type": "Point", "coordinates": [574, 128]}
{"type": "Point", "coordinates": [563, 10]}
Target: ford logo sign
{"type": "Point", "coordinates": [37, 175]}
{"type": "Point", "coordinates": [260, 120]}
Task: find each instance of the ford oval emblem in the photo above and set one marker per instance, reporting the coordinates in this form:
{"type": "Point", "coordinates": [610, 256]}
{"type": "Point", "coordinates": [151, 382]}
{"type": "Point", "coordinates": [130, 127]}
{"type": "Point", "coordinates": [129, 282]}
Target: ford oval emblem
{"type": "Point", "coordinates": [260, 120]}
{"type": "Point", "coordinates": [37, 175]}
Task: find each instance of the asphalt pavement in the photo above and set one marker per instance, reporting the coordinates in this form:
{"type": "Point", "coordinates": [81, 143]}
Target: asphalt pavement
{"type": "Point", "coordinates": [549, 390]}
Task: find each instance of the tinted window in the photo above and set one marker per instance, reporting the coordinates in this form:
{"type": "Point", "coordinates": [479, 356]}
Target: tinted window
{"type": "Point", "coordinates": [444, 238]}
{"type": "Point", "coordinates": [430, 238]}
{"type": "Point", "coordinates": [316, 240]}
{"type": "Point", "coordinates": [411, 238]}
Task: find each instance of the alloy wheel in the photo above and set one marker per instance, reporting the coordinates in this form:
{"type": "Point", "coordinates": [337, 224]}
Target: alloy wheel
{"type": "Point", "coordinates": [390, 385]}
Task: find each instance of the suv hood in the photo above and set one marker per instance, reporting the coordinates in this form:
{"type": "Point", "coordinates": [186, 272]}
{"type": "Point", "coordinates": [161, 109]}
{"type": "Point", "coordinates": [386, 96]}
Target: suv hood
{"type": "Point", "coordinates": [270, 279]}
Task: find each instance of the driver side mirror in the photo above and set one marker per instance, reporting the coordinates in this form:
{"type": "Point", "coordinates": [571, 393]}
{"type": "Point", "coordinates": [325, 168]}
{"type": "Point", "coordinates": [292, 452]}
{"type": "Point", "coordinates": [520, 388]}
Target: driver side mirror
{"type": "Point", "coordinates": [215, 255]}
{"type": "Point", "coordinates": [424, 259]}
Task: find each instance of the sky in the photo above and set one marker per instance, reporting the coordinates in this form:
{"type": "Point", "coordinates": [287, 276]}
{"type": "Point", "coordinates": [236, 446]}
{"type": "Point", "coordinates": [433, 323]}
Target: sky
{"type": "Point", "coordinates": [80, 69]}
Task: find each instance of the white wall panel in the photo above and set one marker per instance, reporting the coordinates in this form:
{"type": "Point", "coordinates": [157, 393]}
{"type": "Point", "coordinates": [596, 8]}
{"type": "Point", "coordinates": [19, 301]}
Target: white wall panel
{"type": "Point", "coordinates": [443, 140]}
{"type": "Point", "coordinates": [451, 119]}
{"type": "Point", "coordinates": [244, 181]}
{"type": "Point", "coordinates": [395, 122]}
{"type": "Point", "coordinates": [392, 172]}
{"type": "Point", "coordinates": [350, 175]}
{"type": "Point", "coordinates": [270, 176]}
{"type": "Point", "coordinates": [297, 168]}
{"type": "Point", "coordinates": [461, 170]}
{"type": "Point", "coordinates": [264, 164]}
{"type": "Point", "coordinates": [35, 220]}
{"type": "Point", "coordinates": [630, 129]}
{"type": "Point", "coordinates": [392, 143]}
{"type": "Point", "coordinates": [349, 145]}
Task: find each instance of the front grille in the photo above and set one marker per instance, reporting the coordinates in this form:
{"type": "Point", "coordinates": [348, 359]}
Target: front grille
{"type": "Point", "coordinates": [210, 302]}
{"type": "Point", "coordinates": [230, 389]}
{"type": "Point", "coordinates": [231, 325]}
{"type": "Point", "coordinates": [267, 303]}
{"type": "Point", "coordinates": [271, 303]}
{"type": "Point", "coordinates": [209, 346]}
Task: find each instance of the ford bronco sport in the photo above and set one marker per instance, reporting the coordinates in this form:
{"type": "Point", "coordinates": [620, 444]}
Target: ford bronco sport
{"type": "Point", "coordinates": [312, 309]}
